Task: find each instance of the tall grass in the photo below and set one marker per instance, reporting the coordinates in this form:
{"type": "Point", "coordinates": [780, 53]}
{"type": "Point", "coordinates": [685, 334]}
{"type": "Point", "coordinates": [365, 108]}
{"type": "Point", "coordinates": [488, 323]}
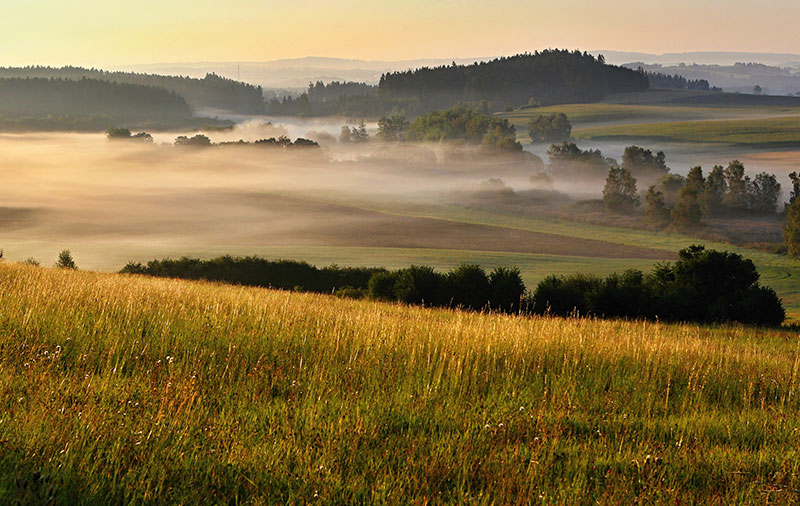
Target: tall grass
{"type": "Point", "coordinates": [123, 389]}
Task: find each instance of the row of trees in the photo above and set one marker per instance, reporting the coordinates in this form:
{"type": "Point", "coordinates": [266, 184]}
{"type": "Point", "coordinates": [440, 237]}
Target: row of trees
{"type": "Point", "coordinates": [255, 271]}
{"type": "Point", "coordinates": [676, 82]}
{"type": "Point", "coordinates": [466, 287]}
{"type": "Point", "coordinates": [202, 141]}
{"type": "Point", "coordinates": [685, 201]}
{"type": "Point", "coordinates": [702, 286]}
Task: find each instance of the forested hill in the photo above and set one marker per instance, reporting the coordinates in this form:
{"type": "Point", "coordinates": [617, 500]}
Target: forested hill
{"type": "Point", "coordinates": [547, 77]}
{"type": "Point", "coordinates": [86, 104]}
{"type": "Point", "coordinates": [212, 91]}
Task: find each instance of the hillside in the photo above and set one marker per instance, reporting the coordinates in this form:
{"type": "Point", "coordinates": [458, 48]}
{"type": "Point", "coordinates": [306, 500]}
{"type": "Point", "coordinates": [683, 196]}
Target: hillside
{"type": "Point", "coordinates": [118, 389]}
{"type": "Point", "coordinates": [40, 104]}
{"type": "Point", "coordinates": [212, 91]}
{"type": "Point", "coordinates": [546, 77]}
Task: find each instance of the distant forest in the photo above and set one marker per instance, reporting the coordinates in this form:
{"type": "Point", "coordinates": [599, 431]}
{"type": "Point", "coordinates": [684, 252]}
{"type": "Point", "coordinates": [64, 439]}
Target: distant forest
{"type": "Point", "coordinates": [677, 82]}
{"type": "Point", "coordinates": [212, 91]}
{"type": "Point", "coordinates": [56, 104]}
{"type": "Point", "coordinates": [541, 78]}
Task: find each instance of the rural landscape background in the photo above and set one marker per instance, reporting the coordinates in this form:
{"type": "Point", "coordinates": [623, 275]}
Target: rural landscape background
{"type": "Point", "coordinates": [232, 273]}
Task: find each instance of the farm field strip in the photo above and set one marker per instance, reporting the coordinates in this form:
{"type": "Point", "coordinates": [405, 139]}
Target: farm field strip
{"type": "Point", "coordinates": [763, 133]}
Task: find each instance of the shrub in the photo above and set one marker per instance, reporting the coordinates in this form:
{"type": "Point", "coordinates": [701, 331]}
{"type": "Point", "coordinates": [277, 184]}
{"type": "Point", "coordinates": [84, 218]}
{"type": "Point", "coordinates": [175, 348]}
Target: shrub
{"type": "Point", "coordinates": [506, 289]}
{"type": "Point", "coordinates": [419, 285]}
{"type": "Point", "coordinates": [468, 287]}
{"type": "Point", "coordinates": [381, 286]}
{"type": "Point", "coordinates": [563, 296]}
{"type": "Point", "coordinates": [65, 260]}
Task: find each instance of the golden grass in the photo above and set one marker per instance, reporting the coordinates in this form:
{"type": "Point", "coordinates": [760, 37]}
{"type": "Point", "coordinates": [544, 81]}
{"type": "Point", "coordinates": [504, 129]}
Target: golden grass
{"type": "Point", "coordinates": [118, 389]}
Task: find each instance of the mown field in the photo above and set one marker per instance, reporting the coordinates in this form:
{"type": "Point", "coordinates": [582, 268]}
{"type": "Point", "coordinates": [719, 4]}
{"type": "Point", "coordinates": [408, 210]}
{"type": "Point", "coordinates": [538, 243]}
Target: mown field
{"type": "Point", "coordinates": [662, 106]}
{"type": "Point", "coordinates": [585, 115]}
{"type": "Point", "coordinates": [762, 132]}
{"type": "Point", "coordinates": [120, 389]}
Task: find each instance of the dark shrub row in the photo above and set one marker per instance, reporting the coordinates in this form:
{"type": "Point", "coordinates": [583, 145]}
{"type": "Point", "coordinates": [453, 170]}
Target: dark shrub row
{"type": "Point", "coordinates": [702, 286]}
{"type": "Point", "coordinates": [466, 287]}
{"type": "Point", "coordinates": [254, 271]}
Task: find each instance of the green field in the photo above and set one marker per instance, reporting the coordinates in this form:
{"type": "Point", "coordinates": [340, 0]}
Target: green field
{"type": "Point", "coordinates": [777, 271]}
{"type": "Point", "coordinates": [120, 389]}
{"type": "Point", "coordinates": [761, 133]}
{"type": "Point", "coordinates": [585, 115]}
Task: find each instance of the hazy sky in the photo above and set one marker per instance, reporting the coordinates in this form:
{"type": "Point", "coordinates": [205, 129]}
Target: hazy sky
{"type": "Point", "coordinates": [104, 32]}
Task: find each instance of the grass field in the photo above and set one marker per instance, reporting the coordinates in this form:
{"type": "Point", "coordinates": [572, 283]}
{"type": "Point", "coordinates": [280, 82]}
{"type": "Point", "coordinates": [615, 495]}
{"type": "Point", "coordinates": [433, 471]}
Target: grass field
{"type": "Point", "coordinates": [762, 133]}
{"type": "Point", "coordinates": [134, 390]}
{"type": "Point", "coordinates": [585, 115]}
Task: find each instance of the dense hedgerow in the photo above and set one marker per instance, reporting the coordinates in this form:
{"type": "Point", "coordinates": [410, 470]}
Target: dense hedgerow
{"type": "Point", "coordinates": [702, 286]}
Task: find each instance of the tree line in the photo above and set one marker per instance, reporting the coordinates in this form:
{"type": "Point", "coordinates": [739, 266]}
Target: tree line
{"type": "Point", "coordinates": [704, 286]}
{"type": "Point", "coordinates": [211, 91]}
{"type": "Point", "coordinates": [203, 141]}
{"type": "Point", "coordinates": [676, 82]}
{"type": "Point", "coordinates": [56, 97]}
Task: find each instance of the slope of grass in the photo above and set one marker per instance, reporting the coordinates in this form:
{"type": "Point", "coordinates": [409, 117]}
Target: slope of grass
{"type": "Point", "coordinates": [118, 389]}
{"type": "Point", "coordinates": [762, 133]}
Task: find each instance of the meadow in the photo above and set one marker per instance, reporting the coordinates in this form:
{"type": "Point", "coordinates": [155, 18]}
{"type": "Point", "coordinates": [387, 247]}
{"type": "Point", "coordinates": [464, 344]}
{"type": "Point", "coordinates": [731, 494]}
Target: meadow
{"type": "Point", "coordinates": [762, 133]}
{"type": "Point", "coordinates": [135, 390]}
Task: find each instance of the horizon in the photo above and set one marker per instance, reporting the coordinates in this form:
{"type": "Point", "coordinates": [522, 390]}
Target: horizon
{"type": "Point", "coordinates": [88, 32]}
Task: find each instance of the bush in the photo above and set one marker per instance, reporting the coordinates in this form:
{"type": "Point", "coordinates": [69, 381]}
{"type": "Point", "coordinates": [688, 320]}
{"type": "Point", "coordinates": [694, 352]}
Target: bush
{"type": "Point", "coordinates": [627, 295]}
{"type": "Point", "coordinates": [419, 285]}
{"type": "Point", "coordinates": [560, 295]}
{"type": "Point", "coordinates": [381, 286]}
{"type": "Point", "coordinates": [506, 289]}
{"type": "Point", "coordinates": [468, 287]}
{"type": "Point", "coordinates": [65, 260]}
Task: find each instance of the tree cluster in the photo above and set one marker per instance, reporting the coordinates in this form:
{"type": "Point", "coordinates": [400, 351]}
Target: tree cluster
{"type": "Point", "coordinates": [702, 286]}
{"type": "Point", "coordinates": [553, 127]}
{"type": "Point", "coordinates": [466, 124]}
{"type": "Point", "coordinates": [393, 128]}
{"type": "Point", "coordinates": [725, 191]}
{"type": "Point", "coordinates": [356, 134]}
{"type": "Point", "coordinates": [568, 161]}
{"type": "Point", "coordinates": [124, 134]}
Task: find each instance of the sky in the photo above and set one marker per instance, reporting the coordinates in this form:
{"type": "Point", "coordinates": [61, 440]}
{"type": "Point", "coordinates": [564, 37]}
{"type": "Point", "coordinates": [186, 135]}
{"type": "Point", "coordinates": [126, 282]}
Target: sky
{"type": "Point", "coordinates": [104, 33]}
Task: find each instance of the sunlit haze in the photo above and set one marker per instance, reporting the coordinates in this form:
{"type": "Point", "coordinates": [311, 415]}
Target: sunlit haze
{"type": "Point", "coordinates": [94, 32]}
